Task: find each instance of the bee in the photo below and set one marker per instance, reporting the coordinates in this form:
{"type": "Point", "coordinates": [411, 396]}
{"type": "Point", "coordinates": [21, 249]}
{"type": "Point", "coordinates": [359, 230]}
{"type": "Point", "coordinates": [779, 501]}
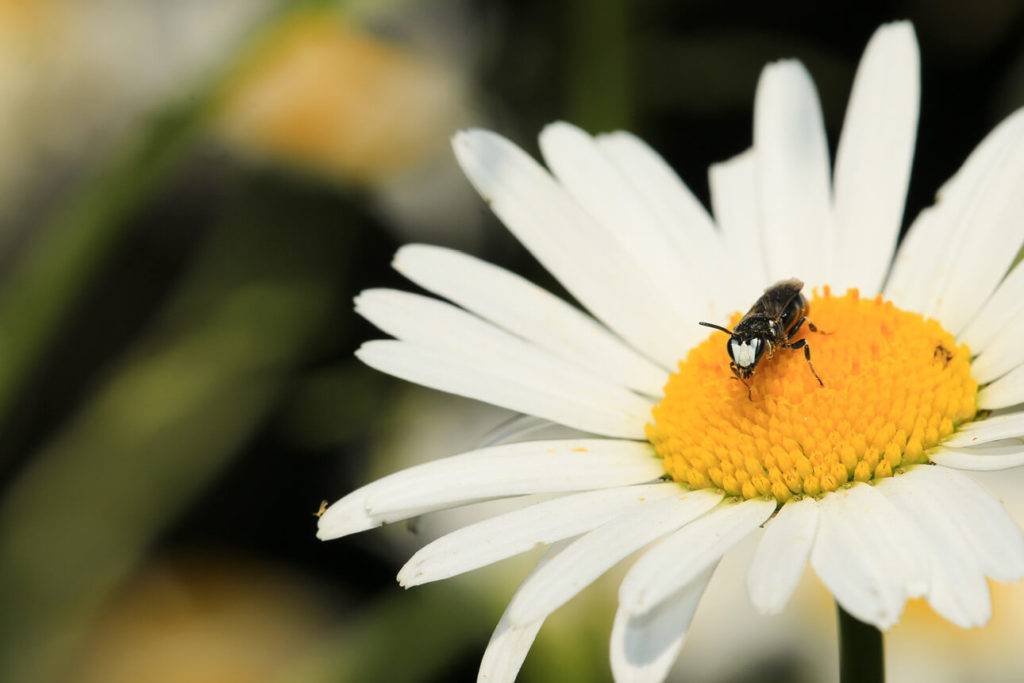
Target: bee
{"type": "Point", "coordinates": [771, 322]}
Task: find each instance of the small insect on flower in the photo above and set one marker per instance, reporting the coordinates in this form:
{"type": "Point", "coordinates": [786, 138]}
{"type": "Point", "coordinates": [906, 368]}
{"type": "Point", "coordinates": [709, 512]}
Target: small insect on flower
{"type": "Point", "coordinates": [772, 321]}
{"type": "Point", "coordinates": [945, 354]}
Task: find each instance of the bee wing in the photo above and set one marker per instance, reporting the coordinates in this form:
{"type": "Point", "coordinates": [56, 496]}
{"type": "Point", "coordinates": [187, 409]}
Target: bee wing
{"type": "Point", "coordinates": [776, 299]}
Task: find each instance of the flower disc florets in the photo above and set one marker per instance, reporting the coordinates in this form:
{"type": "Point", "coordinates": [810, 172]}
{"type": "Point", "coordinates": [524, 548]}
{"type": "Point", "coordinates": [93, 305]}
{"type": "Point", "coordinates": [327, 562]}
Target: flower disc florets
{"type": "Point", "coordinates": [894, 385]}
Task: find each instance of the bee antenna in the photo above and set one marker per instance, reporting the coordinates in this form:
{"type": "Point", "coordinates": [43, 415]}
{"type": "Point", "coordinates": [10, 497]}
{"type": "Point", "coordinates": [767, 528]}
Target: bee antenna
{"type": "Point", "coordinates": [716, 327]}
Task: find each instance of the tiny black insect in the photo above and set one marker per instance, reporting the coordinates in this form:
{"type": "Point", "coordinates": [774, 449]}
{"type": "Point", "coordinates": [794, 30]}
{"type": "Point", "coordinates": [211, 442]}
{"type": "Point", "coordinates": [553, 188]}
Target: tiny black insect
{"type": "Point", "coordinates": [772, 321]}
{"type": "Point", "coordinates": [943, 353]}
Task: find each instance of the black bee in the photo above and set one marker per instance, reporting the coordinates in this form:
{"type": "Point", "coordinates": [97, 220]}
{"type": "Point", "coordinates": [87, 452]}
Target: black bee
{"type": "Point", "coordinates": [772, 321]}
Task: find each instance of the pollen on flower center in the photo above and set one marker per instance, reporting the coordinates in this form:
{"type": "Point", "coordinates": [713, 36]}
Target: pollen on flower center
{"type": "Point", "coordinates": [895, 384]}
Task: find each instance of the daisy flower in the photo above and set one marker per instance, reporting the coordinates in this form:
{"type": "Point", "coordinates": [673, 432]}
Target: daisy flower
{"type": "Point", "coordinates": [919, 355]}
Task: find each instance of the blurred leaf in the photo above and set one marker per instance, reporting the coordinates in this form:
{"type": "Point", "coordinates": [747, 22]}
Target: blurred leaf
{"type": "Point", "coordinates": [68, 251]}
{"type": "Point", "coordinates": [168, 419]}
{"type": "Point", "coordinates": [335, 404]}
{"type": "Point", "coordinates": [598, 59]}
{"type": "Point", "coordinates": [407, 637]}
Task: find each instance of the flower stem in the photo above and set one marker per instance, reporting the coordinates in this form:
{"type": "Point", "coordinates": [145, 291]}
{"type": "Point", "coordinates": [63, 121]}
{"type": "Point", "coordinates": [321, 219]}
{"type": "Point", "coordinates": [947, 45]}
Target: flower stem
{"type": "Point", "coordinates": [860, 650]}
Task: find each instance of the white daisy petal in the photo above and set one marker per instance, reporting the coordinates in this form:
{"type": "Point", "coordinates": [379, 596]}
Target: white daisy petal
{"type": "Point", "coordinates": [1005, 305]}
{"type": "Point", "coordinates": [509, 644]}
{"type": "Point", "coordinates": [644, 646]}
{"type": "Point", "coordinates": [991, 235]}
{"type": "Point", "coordinates": [437, 325]}
{"type": "Point", "coordinates": [874, 156]}
{"type": "Point", "coordinates": [607, 195]}
{"type": "Point", "coordinates": [869, 554]}
{"type": "Point", "coordinates": [509, 470]}
{"type": "Point", "coordinates": [516, 532]}
{"type": "Point", "coordinates": [734, 199]}
{"type": "Point", "coordinates": [572, 247]}
{"type": "Point", "coordinates": [1004, 353]}
{"type": "Point", "coordinates": [931, 246]}
{"type": "Point", "coordinates": [677, 560]}
{"type": "Point", "coordinates": [982, 157]}
{"type": "Point", "coordinates": [996, 455]}
{"type": "Point", "coordinates": [517, 469]}
{"type": "Point", "coordinates": [996, 541]}
{"type": "Point", "coordinates": [593, 554]}
{"type": "Point", "coordinates": [1006, 391]}
{"type": "Point", "coordinates": [793, 175]}
{"type": "Point", "coordinates": [986, 430]}
{"type": "Point", "coordinates": [504, 381]}
{"type": "Point", "coordinates": [666, 194]}
{"type": "Point", "coordinates": [523, 308]}
{"type": "Point", "coordinates": [911, 278]}
{"type": "Point", "coordinates": [958, 590]}
{"type": "Point", "coordinates": [686, 222]}
{"type": "Point", "coordinates": [782, 555]}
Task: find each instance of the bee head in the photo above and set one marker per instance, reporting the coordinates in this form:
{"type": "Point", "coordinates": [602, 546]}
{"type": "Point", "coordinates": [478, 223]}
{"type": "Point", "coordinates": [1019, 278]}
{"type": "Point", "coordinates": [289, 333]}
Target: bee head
{"type": "Point", "coordinates": [745, 353]}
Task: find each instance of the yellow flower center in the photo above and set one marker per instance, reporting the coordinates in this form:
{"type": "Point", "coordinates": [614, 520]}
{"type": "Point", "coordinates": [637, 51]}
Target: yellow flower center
{"type": "Point", "coordinates": [895, 384]}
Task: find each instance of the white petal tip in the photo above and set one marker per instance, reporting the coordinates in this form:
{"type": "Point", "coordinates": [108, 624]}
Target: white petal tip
{"type": "Point", "coordinates": [465, 140]}
{"type": "Point", "coordinates": [766, 606]}
{"type": "Point", "coordinates": [411, 575]}
{"type": "Point", "coordinates": [559, 127]}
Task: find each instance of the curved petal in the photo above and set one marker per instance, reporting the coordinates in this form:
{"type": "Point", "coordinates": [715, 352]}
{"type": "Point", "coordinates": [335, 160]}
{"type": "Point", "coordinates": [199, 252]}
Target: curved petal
{"type": "Point", "coordinates": [933, 242]}
{"type": "Point", "coordinates": [782, 555]}
{"type": "Point", "coordinates": [1003, 354]}
{"type": "Point", "coordinates": [793, 175]}
{"type": "Point", "coordinates": [991, 234]}
{"type": "Point", "coordinates": [973, 232]}
{"type": "Point", "coordinates": [510, 643]}
{"type": "Point", "coordinates": [996, 542]}
{"type": "Point", "coordinates": [572, 246]}
{"type": "Point", "coordinates": [523, 308]}
{"type": "Point", "coordinates": [509, 470]}
{"type": "Point", "coordinates": [911, 279]}
{"type": "Point", "coordinates": [676, 561]}
{"type": "Point", "coordinates": [1006, 391]}
{"type": "Point", "coordinates": [992, 428]}
{"type": "Point", "coordinates": [874, 156]}
{"type": "Point", "coordinates": [958, 590]}
{"type": "Point", "coordinates": [1004, 306]}
{"type": "Point", "coordinates": [593, 554]}
{"type": "Point", "coordinates": [997, 455]}
{"type": "Point", "coordinates": [869, 554]}
{"type": "Point", "coordinates": [497, 538]}
{"type": "Point", "coordinates": [504, 381]}
{"type": "Point", "coordinates": [644, 646]}
{"type": "Point", "coordinates": [734, 199]}
{"type": "Point", "coordinates": [686, 222]}
{"type": "Point", "coordinates": [607, 195]}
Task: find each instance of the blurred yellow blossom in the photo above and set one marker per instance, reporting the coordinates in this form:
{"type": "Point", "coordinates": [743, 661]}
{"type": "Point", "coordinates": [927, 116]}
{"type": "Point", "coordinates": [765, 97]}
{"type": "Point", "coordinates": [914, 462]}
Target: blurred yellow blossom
{"type": "Point", "coordinates": [322, 93]}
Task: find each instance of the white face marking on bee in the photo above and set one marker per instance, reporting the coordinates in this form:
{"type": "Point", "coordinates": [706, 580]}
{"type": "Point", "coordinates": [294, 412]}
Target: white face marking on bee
{"type": "Point", "coordinates": [745, 352]}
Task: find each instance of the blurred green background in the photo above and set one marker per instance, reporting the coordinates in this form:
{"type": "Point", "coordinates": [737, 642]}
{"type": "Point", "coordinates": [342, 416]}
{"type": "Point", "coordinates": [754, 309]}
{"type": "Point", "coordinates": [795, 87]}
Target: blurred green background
{"type": "Point", "coordinates": [192, 192]}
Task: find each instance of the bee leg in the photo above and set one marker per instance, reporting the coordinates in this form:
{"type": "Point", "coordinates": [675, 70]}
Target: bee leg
{"type": "Point", "coordinates": [799, 324]}
{"type": "Point", "coordinates": [736, 375]}
{"type": "Point", "coordinates": [814, 328]}
{"type": "Point", "coordinates": [807, 354]}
